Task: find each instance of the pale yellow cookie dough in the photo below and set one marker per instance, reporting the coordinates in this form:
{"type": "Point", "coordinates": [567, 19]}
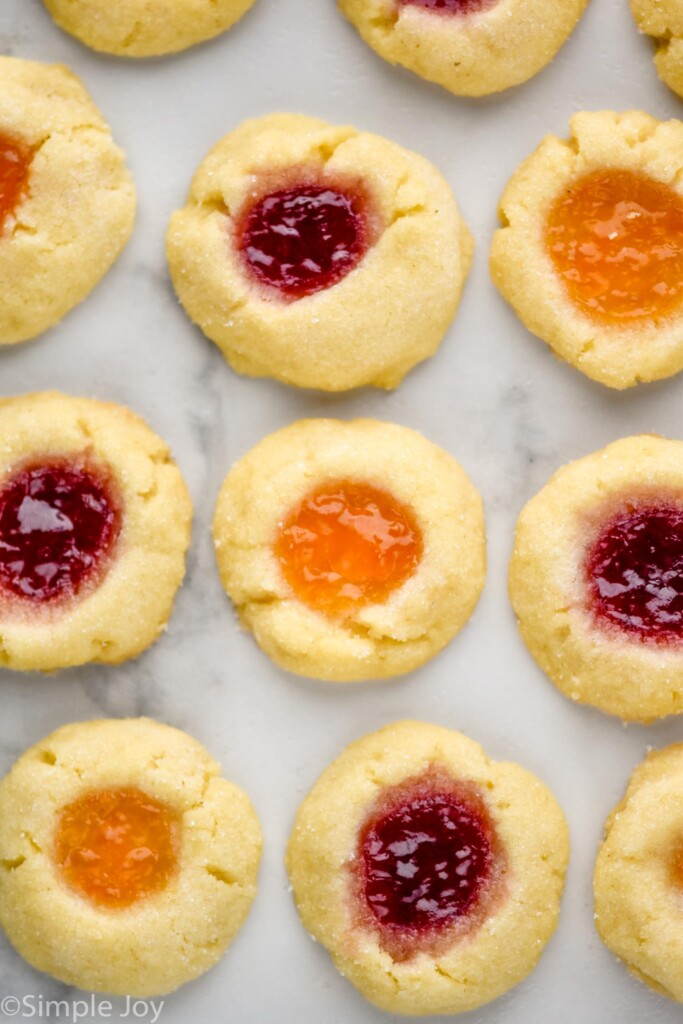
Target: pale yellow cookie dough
{"type": "Point", "coordinates": [385, 316]}
{"type": "Point", "coordinates": [663, 20]}
{"type": "Point", "coordinates": [590, 662]}
{"type": "Point", "coordinates": [166, 938]}
{"type": "Point", "coordinates": [618, 355]}
{"type": "Point", "coordinates": [638, 882]}
{"type": "Point", "coordinates": [473, 54]}
{"type": "Point", "coordinates": [128, 608]}
{"type": "Point", "coordinates": [506, 946]}
{"type": "Point", "coordinates": [79, 210]}
{"type": "Point", "coordinates": [145, 28]}
{"type": "Point", "coordinates": [378, 640]}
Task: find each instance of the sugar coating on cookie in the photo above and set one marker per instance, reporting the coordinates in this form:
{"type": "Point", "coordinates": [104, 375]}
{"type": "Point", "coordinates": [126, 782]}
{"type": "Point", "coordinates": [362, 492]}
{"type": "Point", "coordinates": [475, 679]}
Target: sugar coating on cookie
{"type": "Point", "coordinates": [590, 255]}
{"type": "Point", "coordinates": [94, 525]}
{"type": "Point", "coordinates": [353, 550]}
{"type": "Point", "coordinates": [638, 882]}
{"type": "Point", "coordinates": [596, 578]}
{"type": "Point", "coordinates": [67, 201]}
{"type": "Point", "coordinates": [430, 873]}
{"type": "Point", "coordinates": [663, 21]}
{"type": "Point", "coordinates": [145, 28]}
{"type": "Point", "coordinates": [470, 47]}
{"type": "Point", "coordinates": [319, 255]}
{"type": "Point", "coordinates": [127, 864]}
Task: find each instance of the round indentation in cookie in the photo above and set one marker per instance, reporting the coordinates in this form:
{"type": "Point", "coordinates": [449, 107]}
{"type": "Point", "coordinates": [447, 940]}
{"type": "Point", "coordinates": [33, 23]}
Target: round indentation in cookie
{"type": "Point", "coordinates": [635, 572]}
{"type": "Point", "coordinates": [348, 544]}
{"type": "Point", "coordinates": [319, 255]}
{"type": "Point", "coordinates": [426, 856]}
{"type": "Point", "coordinates": [450, 7]}
{"type": "Point", "coordinates": [116, 846]}
{"type": "Point", "coordinates": [616, 239]}
{"type": "Point", "coordinates": [128, 864]}
{"type": "Point", "coordinates": [67, 201]}
{"type": "Point", "coordinates": [431, 873]}
{"type": "Point", "coordinates": [15, 164]}
{"type": "Point", "coordinates": [59, 521]}
{"type": "Point", "coordinates": [304, 238]}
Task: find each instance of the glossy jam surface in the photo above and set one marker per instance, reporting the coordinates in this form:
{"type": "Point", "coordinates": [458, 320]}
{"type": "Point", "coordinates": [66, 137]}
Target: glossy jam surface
{"type": "Point", "coordinates": [450, 6]}
{"type": "Point", "coordinates": [616, 239]}
{"type": "Point", "coordinates": [116, 846]}
{"type": "Point", "coordinates": [58, 523]}
{"type": "Point", "coordinates": [304, 239]}
{"type": "Point", "coordinates": [635, 572]}
{"type": "Point", "coordinates": [348, 544]}
{"type": "Point", "coordinates": [425, 857]}
{"type": "Point", "coordinates": [15, 163]}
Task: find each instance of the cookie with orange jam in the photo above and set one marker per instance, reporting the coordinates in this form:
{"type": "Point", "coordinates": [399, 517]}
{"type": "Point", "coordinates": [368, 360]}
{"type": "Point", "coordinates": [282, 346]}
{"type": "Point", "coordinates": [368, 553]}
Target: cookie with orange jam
{"type": "Point", "coordinates": [596, 578]}
{"type": "Point", "coordinates": [430, 873]}
{"type": "Point", "coordinates": [138, 28]}
{"type": "Point", "coordinates": [470, 47]}
{"type": "Point", "coordinates": [591, 252]}
{"type": "Point", "coordinates": [319, 255]}
{"type": "Point", "coordinates": [94, 526]}
{"type": "Point", "coordinates": [127, 864]}
{"type": "Point", "coordinates": [67, 201]}
{"type": "Point", "coordinates": [638, 882]}
{"type": "Point", "coordinates": [663, 21]}
{"type": "Point", "coordinates": [351, 550]}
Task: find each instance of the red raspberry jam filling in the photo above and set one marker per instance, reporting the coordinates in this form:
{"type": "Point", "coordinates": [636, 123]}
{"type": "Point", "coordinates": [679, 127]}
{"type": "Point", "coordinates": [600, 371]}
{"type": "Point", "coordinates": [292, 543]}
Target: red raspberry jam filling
{"type": "Point", "coordinates": [15, 163]}
{"type": "Point", "coordinates": [635, 572]}
{"type": "Point", "coordinates": [346, 545]}
{"type": "Point", "coordinates": [616, 239]}
{"type": "Point", "coordinates": [450, 6]}
{"type": "Point", "coordinates": [115, 846]}
{"type": "Point", "coordinates": [58, 523]}
{"type": "Point", "coordinates": [427, 862]}
{"type": "Point", "coordinates": [303, 239]}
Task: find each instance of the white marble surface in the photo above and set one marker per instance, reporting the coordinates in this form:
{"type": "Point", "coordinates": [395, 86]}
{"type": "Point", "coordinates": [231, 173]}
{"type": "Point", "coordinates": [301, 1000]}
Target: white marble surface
{"type": "Point", "coordinates": [493, 396]}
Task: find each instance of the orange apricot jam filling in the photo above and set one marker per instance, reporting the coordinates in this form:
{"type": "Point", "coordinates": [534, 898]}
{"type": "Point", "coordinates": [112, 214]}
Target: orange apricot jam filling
{"type": "Point", "coordinates": [616, 240]}
{"type": "Point", "coordinates": [115, 846]}
{"type": "Point", "coordinates": [346, 545]}
{"type": "Point", "coordinates": [15, 163]}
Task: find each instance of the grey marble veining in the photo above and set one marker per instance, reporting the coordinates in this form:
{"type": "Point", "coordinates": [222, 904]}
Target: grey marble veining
{"type": "Point", "coordinates": [493, 396]}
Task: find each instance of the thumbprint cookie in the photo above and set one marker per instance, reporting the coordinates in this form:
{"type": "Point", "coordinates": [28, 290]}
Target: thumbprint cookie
{"type": "Point", "coordinates": [140, 28]}
{"type": "Point", "coordinates": [67, 201]}
{"type": "Point", "coordinates": [590, 254]}
{"type": "Point", "coordinates": [596, 578]}
{"type": "Point", "coordinates": [470, 47]}
{"type": "Point", "coordinates": [319, 255]}
{"type": "Point", "coordinates": [638, 880]}
{"type": "Point", "coordinates": [94, 526]}
{"type": "Point", "coordinates": [351, 550]}
{"type": "Point", "coordinates": [430, 873]}
{"type": "Point", "coordinates": [127, 864]}
{"type": "Point", "coordinates": [663, 21]}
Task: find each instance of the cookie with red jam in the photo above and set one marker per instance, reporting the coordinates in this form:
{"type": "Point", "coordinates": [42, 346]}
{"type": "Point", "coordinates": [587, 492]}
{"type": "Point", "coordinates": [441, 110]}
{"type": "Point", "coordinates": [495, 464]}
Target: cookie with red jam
{"type": "Point", "coordinates": [638, 882]}
{"type": "Point", "coordinates": [430, 873]}
{"type": "Point", "coordinates": [319, 255]}
{"type": "Point", "coordinates": [127, 864]}
{"type": "Point", "coordinates": [353, 550]}
{"type": "Point", "coordinates": [470, 47]}
{"type": "Point", "coordinates": [94, 526]}
{"type": "Point", "coordinates": [67, 201]}
{"type": "Point", "coordinates": [137, 28]}
{"type": "Point", "coordinates": [590, 254]}
{"type": "Point", "coordinates": [596, 578]}
{"type": "Point", "coordinates": [663, 21]}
